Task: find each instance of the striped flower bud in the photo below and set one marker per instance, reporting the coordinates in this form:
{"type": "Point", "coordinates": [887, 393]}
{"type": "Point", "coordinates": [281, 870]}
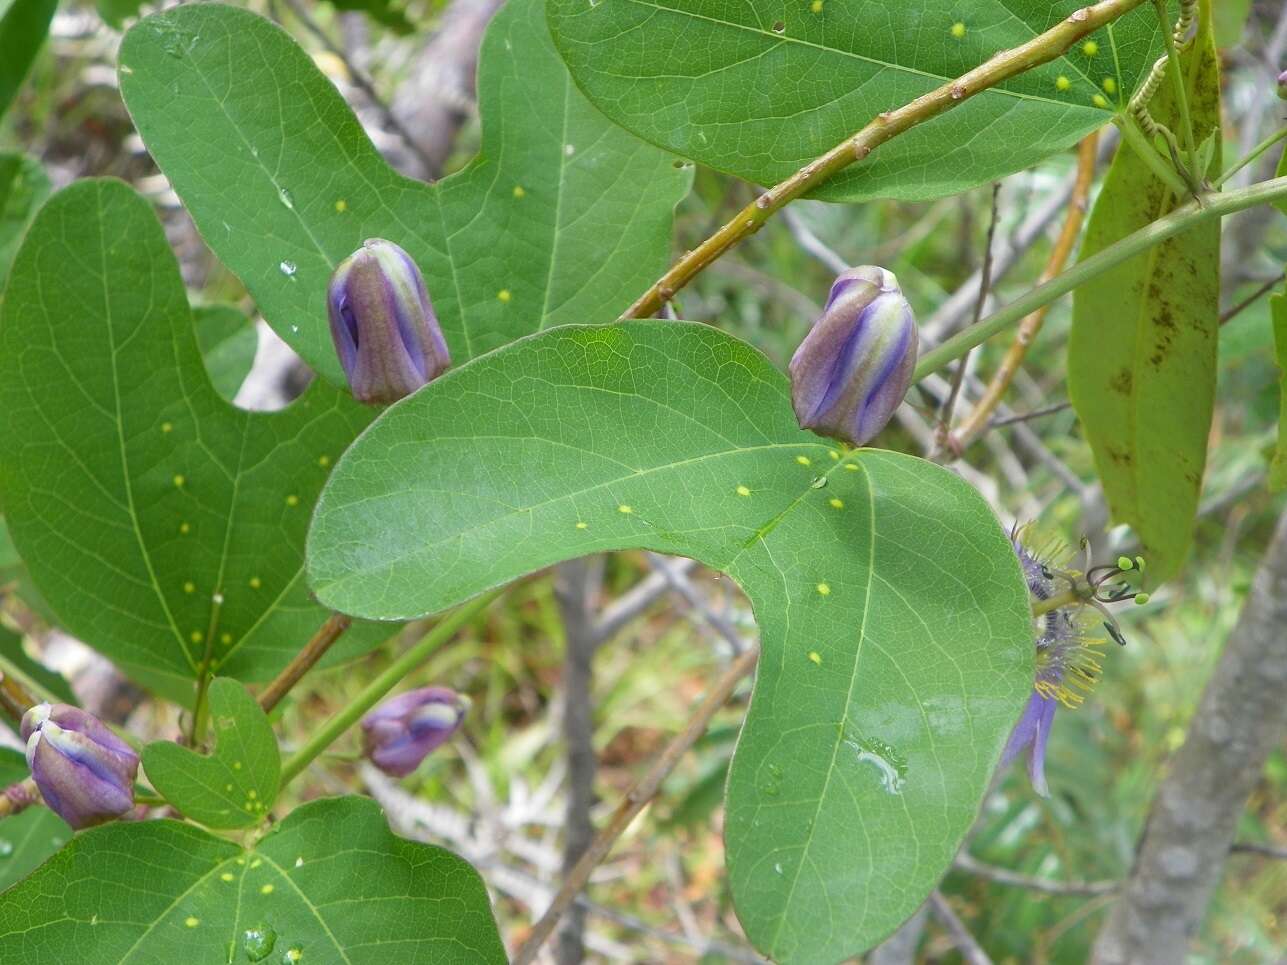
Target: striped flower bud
{"type": "Point", "coordinates": [1282, 85]}
{"type": "Point", "coordinates": [84, 772]}
{"type": "Point", "coordinates": [383, 324]}
{"type": "Point", "coordinates": [855, 365]}
{"type": "Point", "coordinates": [401, 732]}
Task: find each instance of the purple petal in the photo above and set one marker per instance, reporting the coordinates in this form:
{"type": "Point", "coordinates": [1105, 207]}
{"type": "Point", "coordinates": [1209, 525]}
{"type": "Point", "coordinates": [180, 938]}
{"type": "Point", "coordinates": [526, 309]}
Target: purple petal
{"type": "Point", "coordinates": [73, 790]}
{"type": "Point", "coordinates": [1031, 733]}
{"type": "Point", "coordinates": [890, 384]}
{"type": "Point", "coordinates": [1037, 755]}
{"type": "Point", "coordinates": [402, 731]}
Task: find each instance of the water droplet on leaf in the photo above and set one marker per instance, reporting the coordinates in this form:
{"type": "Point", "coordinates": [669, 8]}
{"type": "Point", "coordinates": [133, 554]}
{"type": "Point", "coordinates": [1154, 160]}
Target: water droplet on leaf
{"type": "Point", "coordinates": [258, 942]}
{"type": "Point", "coordinates": [891, 765]}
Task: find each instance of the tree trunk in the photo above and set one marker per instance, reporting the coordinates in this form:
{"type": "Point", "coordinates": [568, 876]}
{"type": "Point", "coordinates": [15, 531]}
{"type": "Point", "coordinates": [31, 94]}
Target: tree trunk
{"type": "Point", "coordinates": [576, 586]}
{"type": "Point", "coordinates": [1195, 812]}
{"type": "Point", "coordinates": [436, 98]}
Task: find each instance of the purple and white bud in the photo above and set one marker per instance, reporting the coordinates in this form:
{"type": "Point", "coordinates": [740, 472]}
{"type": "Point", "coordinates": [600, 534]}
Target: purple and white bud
{"type": "Point", "coordinates": [856, 364]}
{"type": "Point", "coordinates": [383, 324]}
{"type": "Point", "coordinates": [1282, 85]}
{"type": "Point", "coordinates": [401, 732]}
{"type": "Point", "coordinates": [84, 772]}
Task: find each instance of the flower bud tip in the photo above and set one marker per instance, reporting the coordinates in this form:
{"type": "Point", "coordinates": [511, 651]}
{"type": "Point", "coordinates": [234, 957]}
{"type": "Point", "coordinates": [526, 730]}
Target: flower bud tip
{"type": "Point", "coordinates": [404, 730]}
{"type": "Point", "coordinates": [85, 773]}
{"type": "Point", "coordinates": [383, 324]}
{"type": "Point", "coordinates": [853, 368]}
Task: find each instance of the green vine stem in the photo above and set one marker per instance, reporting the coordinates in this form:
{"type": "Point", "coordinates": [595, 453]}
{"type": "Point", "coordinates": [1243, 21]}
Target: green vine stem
{"type": "Point", "coordinates": [1252, 155]}
{"type": "Point", "coordinates": [1177, 78]}
{"type": "Point", "coordinates": [1008, 63]}
{"type": "Point", "coordinates": [443, 630]}
{"type": "Point", "coordinates": [1177, 222]}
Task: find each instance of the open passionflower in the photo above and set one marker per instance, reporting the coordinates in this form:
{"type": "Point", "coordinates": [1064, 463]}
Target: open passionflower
{"type": "Point", "coordinates": [1069, 647]}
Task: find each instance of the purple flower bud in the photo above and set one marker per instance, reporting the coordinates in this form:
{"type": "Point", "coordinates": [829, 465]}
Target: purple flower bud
{"type": "Point", "coordinates": [855, 365]}
{"type": "Point", "coordinates": [85, 772]}
{"type": "Point", "coordinates": [401, 732]}
{"type": "Point", "coordinates": [1282, 85]}
{"type": "Point", "coordinates": [383, 324]}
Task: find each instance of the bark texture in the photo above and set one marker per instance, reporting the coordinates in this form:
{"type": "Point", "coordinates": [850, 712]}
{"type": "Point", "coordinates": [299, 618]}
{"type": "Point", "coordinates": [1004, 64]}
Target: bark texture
{"type": "Point", "coordinates": [438, 96]}
{"type": "Point", "coordinates": [1186, 840]}
{"type": "Point", "coordinates": [576, 588]}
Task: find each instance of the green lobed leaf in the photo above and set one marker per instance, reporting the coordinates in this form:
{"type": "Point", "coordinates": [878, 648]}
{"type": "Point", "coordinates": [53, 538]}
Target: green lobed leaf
{"type": "Point", "coordinates": [1142, 355]}
{"type": "Point", "coordinates": [1278, 467]}
{"type": "Point", "coordinates": [896, 634]}
{"type": "Point", "coordinates": [23, 189]}
{"type": "Point", "coordinates": [163, 526]}
{"type": "Point", "coordinates": [331, 881]}
{"type": "Point", "coordinates": [228, 343]}
{"type": "Point", "coordinates": [762, 87]}
{"type": "Point", "coordinates": [235, 785]}
{"type": "Point", "coordinates": [23, 26]}
{"type": "Point", "coordinates": [561, 217]}
{"type": "Point", "coordinates": [26, 839]}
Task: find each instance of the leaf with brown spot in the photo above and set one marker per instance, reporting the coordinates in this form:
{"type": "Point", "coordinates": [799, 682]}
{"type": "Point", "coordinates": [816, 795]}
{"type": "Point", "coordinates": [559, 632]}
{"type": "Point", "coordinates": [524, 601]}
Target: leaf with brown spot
{"type": "Point", "coordinates": [1142, 356]}
{"type": "Point", "coordinates": [1278, 468]}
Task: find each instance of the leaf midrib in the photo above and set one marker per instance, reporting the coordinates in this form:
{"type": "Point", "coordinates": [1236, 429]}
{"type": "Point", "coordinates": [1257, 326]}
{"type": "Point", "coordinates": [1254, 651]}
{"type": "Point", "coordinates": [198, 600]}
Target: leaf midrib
{"type": "Point", "coordinates": [201, 880]}
{"type": "Point", "coordinates": [783, 39]}
{"type": "Point", "coordinates": [844, 719]}
{"type": "Point", "coordinates": [556, 224]}
{"type": "Point", "coordinates": [120, 437]}
{"type": "Point", "coordinates": [313, 910]}
{"type": "Point", "coordinates": [1166, 202]}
